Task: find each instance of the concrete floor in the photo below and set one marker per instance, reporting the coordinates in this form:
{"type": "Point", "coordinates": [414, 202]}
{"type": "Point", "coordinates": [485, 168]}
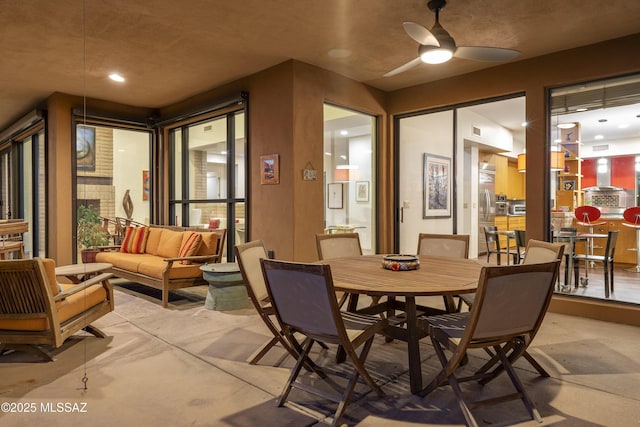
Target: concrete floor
{"type": "Point", "coordinates": [186, 366]}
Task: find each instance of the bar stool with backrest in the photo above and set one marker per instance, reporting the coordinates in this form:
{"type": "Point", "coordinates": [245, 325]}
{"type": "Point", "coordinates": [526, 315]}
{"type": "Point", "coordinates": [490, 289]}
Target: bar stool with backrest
{"type": "Point", "coordinates": [606, 260]}
{"type": "Point", "coordinates": [632, 218]}
{"type": "Point", "coordinates": [587, 216]}
{"type": "Point", "coordinates": [493, 244]}
{"type": "Point", "coordinates": [521, 245]}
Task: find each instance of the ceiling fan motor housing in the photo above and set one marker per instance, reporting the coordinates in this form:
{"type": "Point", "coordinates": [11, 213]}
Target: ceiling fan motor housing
{"type": "Point", "coordinates": [435, 5]}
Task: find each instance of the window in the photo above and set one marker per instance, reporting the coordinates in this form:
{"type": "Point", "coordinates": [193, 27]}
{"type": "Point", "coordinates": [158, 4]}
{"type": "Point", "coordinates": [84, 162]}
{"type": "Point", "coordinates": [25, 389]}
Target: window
{"type": "Point", "coordinates": [113, 172]}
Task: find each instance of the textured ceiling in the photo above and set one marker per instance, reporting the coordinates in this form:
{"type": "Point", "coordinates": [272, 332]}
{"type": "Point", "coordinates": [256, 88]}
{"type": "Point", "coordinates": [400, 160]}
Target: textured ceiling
{"type": "Point", "coordinates": [169, 50]}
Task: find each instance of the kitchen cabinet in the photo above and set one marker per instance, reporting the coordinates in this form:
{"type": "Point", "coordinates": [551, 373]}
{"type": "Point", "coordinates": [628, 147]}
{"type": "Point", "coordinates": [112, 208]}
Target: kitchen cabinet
{"type": "Point", "coordinates": [507, 222]}
{"type": "Point", "coordinates": [515, 183]}
{"type": "Point", "coordinates": [517, 222]}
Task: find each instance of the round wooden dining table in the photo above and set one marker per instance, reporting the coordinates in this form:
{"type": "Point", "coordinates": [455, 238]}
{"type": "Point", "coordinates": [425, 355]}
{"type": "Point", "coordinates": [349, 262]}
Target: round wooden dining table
{"type": "Point", "coordinates": [436, 276]}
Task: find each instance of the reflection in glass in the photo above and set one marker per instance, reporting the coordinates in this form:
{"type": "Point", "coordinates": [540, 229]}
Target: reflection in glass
{"type": "Point", "coordinates": [349, 164]}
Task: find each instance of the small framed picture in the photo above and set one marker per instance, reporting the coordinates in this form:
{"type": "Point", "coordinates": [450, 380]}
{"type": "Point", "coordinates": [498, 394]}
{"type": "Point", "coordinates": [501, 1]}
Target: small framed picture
{"type": "Point", "coordinates": [269, 169]}
{"type": "Point", "coordinates": [334, 196]}
{"type": "Point", "coordinates": [362, 191]}
{"type": "Point", "coordinates": [569, 185]}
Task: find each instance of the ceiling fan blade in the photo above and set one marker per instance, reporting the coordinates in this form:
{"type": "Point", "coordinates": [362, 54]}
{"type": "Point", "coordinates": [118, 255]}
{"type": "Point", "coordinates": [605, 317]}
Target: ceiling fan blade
{"type": "Point", "coordinates": [420, 34]}
{"type": "Point", "coordinates": [404, 67]}
{"type": "Point", "coordinates": [480, 53]}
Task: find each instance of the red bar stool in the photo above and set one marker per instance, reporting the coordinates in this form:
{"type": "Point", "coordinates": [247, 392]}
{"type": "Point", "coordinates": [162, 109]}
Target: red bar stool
{"type": "Point", "coordinates": [632, 218]}
{"type": "Point", "coordinates": [586, 215]}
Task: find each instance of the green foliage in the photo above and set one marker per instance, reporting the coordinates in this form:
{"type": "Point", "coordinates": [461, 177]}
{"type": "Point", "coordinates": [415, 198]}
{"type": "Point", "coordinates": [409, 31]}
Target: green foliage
{"type": "Point", "coordinates": [89, 230]}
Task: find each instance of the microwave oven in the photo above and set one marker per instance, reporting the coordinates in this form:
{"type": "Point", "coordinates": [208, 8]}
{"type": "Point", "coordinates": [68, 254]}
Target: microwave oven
{"type": "Point", "coordinates": [517, 209]}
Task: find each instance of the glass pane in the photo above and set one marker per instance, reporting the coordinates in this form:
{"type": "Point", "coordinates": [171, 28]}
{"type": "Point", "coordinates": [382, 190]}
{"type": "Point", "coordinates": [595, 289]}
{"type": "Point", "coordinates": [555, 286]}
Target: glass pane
{"type": "Point", "coordinates": [240, 159]}
{"type": "Point", "coordinates": [421, 210]}
{"type": "Point", "coordinates": [175, 137]}
{"type": "Point", "coordinates": [594, 141]}
{"type": "Point", "coordinates": [113, 173]}
{"type": "Point", "coordinates": [240, 224]}
{"type": "Point", "coordinates": [5, 185]}
{"type": "Point", "coordinates": [42, 205]}
{"type": "Point", "coordinates": [349, 171]}
{"type": "Point", "coordinates": [27, 196]}
{"type": "Point", "coordinates": [208, 160]}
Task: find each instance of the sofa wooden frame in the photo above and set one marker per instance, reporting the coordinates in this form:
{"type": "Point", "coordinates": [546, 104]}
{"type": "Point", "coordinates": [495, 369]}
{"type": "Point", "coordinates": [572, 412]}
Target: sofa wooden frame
{"type": "Point", "coordinates": [165, 284]}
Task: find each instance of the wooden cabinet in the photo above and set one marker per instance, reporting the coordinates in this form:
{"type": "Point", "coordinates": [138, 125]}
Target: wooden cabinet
{"type": "Point", "coordinates": [509, 223]}
{"type": "Point", "coordinates": [515, 183]}
{"type": "Point", "coordinates": [517, 222]}
{"type": "Point", "coordinates": [569, 192]}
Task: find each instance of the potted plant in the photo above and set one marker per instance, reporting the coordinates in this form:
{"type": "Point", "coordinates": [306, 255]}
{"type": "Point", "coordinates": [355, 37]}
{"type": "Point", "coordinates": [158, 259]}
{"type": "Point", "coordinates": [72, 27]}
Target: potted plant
{"type": "Point", "coordinates": [90, 233]}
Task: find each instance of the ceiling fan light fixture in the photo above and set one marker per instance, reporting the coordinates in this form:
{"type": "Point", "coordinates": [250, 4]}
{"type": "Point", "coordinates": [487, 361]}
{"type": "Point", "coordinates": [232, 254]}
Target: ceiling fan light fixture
{"type": "Point", "coordinates": [435, 54]}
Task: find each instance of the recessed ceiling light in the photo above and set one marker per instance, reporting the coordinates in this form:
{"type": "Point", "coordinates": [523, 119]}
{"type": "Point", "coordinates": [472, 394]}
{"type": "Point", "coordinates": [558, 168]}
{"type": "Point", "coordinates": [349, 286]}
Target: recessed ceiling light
{"type": "Point", "coordinates": [580, 110]}
{"type": "Point", "coordinates": [344, 132]}
{"type": "Point", "coordinates": [524, 124]}
{"type": "Point", "coordinates": [599, 137]}
{"type": "Point", "coordinates": [623, 125]}
{"type": "Point", "coordinates": [603, 120]}
{"type": "Point", "coordinates": [116, 77]}
{"type": "Point", "coordinates": [339, 53]}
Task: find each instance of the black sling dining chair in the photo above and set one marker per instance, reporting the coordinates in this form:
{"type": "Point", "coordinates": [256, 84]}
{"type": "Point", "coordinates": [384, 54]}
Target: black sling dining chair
{"type": "Point", "coordinates": [305, 303]}
{"type": "Point", "coordinates": [500, 319]}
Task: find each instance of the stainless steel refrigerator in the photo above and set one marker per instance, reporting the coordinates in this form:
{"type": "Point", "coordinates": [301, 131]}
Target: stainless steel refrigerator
{"type": "Point", "coordinates": [486, 202]}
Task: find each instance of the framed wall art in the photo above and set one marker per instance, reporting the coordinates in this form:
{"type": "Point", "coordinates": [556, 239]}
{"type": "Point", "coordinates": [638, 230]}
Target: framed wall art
{"type": "Point", "coordinates": [437, 186]}
{"type": "Point", "coordinates": [362, 191]}
{"type": "Point", "coordinates": [145, 185]}
{"type": "Point", "coordinates": [334, 196]}
{"type": "Point", "coordinates": [269, 169]}
{"type": "Point", "coordinates": [569, 185]}
{"type": "Point", "coordinates": [86, 148]}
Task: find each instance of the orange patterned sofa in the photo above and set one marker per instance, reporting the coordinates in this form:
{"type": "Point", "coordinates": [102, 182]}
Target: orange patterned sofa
{"type": "Point", "coordinates": [164, 257]}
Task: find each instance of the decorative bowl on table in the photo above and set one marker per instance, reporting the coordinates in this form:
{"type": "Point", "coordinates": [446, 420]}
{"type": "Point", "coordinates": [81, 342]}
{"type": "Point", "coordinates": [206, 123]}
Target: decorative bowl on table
{"type": "Point", "coordinates": [399, 262]}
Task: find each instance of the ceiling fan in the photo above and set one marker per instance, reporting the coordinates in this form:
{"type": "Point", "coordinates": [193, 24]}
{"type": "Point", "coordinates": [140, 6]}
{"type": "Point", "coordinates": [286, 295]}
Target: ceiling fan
{"type": "Point", "coordinates": [437, 45]}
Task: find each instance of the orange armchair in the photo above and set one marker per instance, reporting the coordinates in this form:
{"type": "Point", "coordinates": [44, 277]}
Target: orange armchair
{"type": "Point", "coordinates": [35, 310]}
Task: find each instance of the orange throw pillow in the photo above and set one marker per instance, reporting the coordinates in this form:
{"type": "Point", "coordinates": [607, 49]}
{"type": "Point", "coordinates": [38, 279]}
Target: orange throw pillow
{"type": "Point", "coordinates": [190, 245]}
{"type": "Point", "coordinates": [135, 240]}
